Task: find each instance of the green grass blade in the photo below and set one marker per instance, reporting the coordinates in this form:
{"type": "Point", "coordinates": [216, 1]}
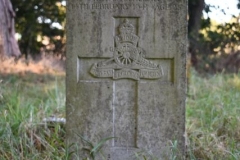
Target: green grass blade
{"type": "Point", "coordinates": [87, 141]}
{"type": "Point", "coordinates": [100, 144]}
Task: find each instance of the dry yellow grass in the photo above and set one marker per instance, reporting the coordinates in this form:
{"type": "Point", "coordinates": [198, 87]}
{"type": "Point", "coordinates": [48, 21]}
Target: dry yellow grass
{"type": "Point", "coordinates": [47, 65]}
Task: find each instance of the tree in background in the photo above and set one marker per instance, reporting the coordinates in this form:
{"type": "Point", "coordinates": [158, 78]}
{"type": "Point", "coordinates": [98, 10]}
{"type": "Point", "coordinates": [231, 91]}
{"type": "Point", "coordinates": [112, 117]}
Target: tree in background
{"type": "Point", "coordinates": [41, 25]}
{"type": "Point", "coordinates": [194, 25]}
{"type": "Point", "coordinates": [36, 18]}
{"type": "Point", "coordinates": [213, 46]}
{"type": "Point", "coordinates": [8, 43]}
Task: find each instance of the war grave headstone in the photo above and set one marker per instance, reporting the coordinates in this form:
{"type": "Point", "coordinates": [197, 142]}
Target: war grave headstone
{"type": "Point", "coordinates": [126, 76]}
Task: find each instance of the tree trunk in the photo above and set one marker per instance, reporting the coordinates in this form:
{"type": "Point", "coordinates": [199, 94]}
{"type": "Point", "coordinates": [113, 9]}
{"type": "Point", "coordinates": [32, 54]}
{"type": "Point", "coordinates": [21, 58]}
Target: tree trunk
{"type": "Point", "coordinates": [194, 24]}
{"type": "Point", "coordinates": [8, 44]}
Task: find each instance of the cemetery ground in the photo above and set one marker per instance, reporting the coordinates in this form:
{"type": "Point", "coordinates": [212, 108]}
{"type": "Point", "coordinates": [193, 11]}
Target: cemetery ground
{"type": "Point", "coordinates": [29, 97]}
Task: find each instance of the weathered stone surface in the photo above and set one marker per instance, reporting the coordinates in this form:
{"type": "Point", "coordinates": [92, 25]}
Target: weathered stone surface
{"type": "Point", "coordinates": [126, 76]}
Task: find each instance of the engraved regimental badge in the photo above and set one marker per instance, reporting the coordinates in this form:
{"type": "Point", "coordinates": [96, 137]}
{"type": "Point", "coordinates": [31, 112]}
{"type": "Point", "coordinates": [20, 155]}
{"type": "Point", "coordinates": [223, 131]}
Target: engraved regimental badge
{"type": "Point", "coordinates": [128, 60]}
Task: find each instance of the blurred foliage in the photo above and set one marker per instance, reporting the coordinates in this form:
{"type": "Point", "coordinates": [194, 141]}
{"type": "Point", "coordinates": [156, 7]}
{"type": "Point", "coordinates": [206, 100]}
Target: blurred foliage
{"type": "Point", "coordinates": [41, 25]}
{"type": "Point", "coordinates": [216, 46]}
{"type": "Point", "coordinates": [222, 37]}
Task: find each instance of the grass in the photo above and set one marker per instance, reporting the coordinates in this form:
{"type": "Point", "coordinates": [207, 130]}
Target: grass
{"type": "Point", "coordinates": [213, 117]}
{"type": "Point", "coordinates": [24, 102]}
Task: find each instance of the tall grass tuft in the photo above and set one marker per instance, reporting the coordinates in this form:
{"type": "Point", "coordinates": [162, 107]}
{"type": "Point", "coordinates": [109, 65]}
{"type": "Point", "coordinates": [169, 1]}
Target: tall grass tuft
{"type": "Point", "coordinates": [24, 102]}
{"type": "Point", "coordinates": [213, 117]}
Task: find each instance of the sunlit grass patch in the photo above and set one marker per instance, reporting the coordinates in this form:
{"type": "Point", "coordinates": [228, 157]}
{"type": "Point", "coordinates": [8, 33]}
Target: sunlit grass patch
{"type": "Point", "coordinates": [213, 117]}
{"type": "Point", "coordinates": [47, 65]}
{"type": "Point", "coordinates": [235, 81]}
{"type": "Point", "coordinates": [25, 101]}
